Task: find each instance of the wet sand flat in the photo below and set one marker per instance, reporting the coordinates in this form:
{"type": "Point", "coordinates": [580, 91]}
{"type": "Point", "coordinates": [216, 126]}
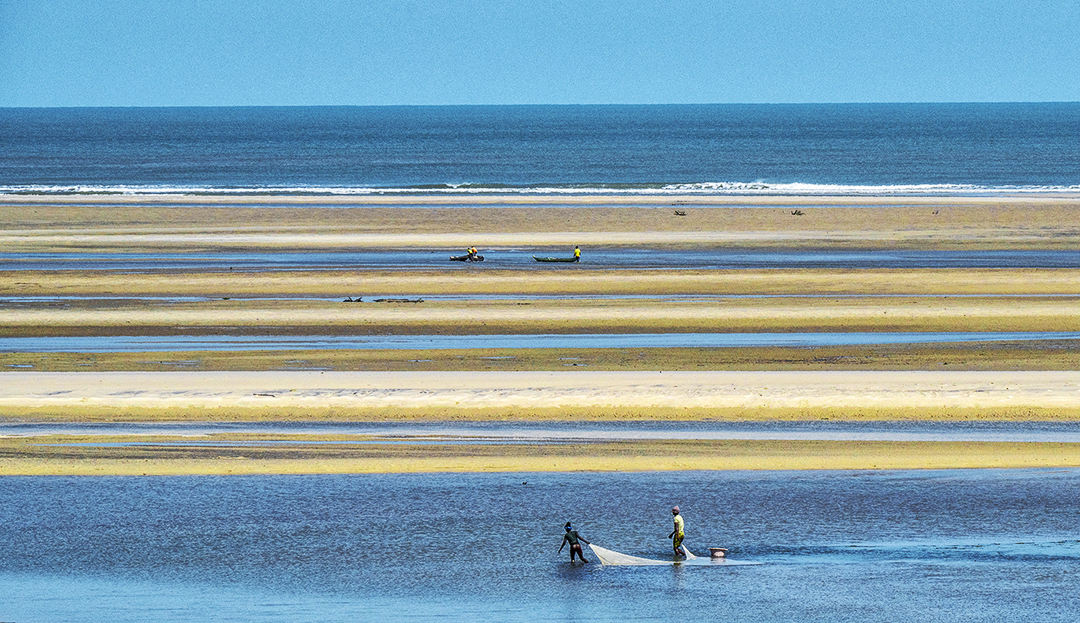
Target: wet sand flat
{"type": "Point", "coordinates": [101, 304]}
{"type": "Point", "coordinates": [130, 224]}
{"type": "Point", "coordinates": [533, 315]}
{"type": "Point", "coordinates": [581, 280]}
{"type": "Point", "coordinates": [579, 395]}
{"type": "Point", "coordinates": [57, 456]}
{"type": "Point", "coordinates": [993, 382]}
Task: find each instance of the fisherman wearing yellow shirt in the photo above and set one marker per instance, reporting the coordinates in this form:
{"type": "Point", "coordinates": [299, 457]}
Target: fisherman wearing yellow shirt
{"type": "Point", "coordinates": [676, 535]}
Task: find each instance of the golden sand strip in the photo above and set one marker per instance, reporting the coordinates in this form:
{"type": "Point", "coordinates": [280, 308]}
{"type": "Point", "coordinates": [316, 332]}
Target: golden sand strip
{"type": "Point", "coordinates": [19, 457]}
{"type": "Point", "coordinates": [578, 280]}
{"type": "Point", "coordinates": [926, 238]}
{"type": "Point", "coordinates": [204, 223]}
{"type": "Point", "coordinates": [582, 395]}
{"type": "Point", "coordinates": [975, 356]}
{"type": "Point", "coordinates": [50, 317]}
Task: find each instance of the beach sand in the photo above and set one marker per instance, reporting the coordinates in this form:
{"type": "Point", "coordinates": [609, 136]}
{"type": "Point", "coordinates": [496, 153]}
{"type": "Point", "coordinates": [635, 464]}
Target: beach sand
{"type": "Point", "coordinates": [64, 456]}
{"type": "Point", "coordinates": [122, 223]}
{"type": "Point", "coordinates": [1000, 381]}
{"type": "Point", "coordinates": [525, 396]}
{"type": "Point", "coordinates": [563, 395]}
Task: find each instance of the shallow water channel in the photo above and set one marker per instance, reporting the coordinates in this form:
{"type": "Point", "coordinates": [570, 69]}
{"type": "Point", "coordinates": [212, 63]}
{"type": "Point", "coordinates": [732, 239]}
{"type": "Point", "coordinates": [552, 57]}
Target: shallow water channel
{"type": "Point", "coordinates": [139, 343]}
{"type": "Point", "coordinates": [522, 258]}
{"type": "Point", "coordinates": [570, 431]}
{"type": "Point", "coordinates": [835, 547]}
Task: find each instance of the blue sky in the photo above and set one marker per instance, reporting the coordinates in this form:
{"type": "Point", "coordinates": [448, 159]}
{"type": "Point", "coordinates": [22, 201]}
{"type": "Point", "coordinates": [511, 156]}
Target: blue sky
{"type": "Point", "coordinates": [376, 52]}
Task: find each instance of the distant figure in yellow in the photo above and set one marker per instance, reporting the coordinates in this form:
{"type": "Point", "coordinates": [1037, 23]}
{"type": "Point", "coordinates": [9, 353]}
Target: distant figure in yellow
{"type": "Point", "coordinates": [676, 535]}
{"type": "Point", "coordinates": [577, 254]}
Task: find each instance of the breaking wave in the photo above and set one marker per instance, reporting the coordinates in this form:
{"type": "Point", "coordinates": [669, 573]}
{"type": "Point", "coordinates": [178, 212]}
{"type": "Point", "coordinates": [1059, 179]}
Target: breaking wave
{"type": "Point", "coordinates": [699, 188]}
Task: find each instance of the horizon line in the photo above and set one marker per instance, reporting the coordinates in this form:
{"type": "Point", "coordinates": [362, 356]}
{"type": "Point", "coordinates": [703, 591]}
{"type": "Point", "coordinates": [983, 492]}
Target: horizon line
{"type": "Point", "coordinates": [550, 105]}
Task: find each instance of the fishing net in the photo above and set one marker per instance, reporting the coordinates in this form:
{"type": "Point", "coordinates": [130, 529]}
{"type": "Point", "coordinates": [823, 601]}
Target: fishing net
{"type": "Point", "coordinates": [609, 557]}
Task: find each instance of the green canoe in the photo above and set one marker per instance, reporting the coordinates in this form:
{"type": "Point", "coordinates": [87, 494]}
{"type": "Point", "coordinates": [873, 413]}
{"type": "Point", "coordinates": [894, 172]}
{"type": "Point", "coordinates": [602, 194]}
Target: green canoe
{"type": "Point", "coordinates": [555, 259]}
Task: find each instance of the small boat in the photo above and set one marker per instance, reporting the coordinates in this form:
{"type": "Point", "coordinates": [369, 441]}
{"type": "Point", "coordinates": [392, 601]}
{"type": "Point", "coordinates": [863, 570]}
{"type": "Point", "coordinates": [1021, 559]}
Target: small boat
{"type": "Point", "coordinates": [467, 258]}
{"type": "Point", "coordinates": [555, 259]}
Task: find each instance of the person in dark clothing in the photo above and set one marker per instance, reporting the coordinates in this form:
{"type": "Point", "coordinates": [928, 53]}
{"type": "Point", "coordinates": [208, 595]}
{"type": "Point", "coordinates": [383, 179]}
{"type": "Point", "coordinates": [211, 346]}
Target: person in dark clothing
{"type": "Point", "coordinates": [574, 539]}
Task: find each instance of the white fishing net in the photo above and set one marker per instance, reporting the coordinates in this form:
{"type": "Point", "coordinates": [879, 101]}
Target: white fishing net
{"type": "Point", "coordinates": [609, 557]}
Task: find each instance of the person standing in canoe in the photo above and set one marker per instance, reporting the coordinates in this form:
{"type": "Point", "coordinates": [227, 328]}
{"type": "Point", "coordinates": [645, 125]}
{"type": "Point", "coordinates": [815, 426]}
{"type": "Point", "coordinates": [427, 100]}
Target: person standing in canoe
{"type": "Point", "coordinates": [573, 538]}
{"type": "Point", "coordinates": [677, 534]}
{"type": "Point", "coordinates": [577, 254]}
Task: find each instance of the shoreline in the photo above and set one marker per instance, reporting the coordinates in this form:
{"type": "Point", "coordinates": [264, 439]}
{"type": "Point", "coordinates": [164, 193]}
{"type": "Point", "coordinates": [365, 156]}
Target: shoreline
{"type": "Point", "coordinates": [495, 197]}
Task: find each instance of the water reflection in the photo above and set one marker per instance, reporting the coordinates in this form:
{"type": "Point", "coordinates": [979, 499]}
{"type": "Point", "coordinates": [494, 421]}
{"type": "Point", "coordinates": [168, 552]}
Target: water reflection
{"type": "Point", "coordinates": [171, 343]}
{"type": "Point", "coordinates": [563, 432]}
{"type": "Point", "coordinates": [521, 258]}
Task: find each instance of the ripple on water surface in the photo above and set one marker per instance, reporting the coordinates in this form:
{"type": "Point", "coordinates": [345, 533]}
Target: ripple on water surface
{"type": "Point", "coordinates": [837, 546]}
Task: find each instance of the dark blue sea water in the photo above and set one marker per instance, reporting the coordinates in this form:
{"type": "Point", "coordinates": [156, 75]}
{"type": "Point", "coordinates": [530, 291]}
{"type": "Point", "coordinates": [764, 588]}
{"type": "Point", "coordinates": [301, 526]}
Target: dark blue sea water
{"type": "Point", "coordinates": [742, 149]}
{"type": "Point", "coordinates": [837, 547]}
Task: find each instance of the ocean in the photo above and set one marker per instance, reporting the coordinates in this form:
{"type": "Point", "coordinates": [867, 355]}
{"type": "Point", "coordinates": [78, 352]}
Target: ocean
{"type": "Point", "coordinates": [861, 546]}
{"type": "Point", "coordinates": [846, 149]}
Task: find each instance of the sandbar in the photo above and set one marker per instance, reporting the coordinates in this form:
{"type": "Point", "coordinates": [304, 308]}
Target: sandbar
{"type": "Point", "coordinates": [552, 395]}
{"type": "Point", "coordinates": [519, 396]}
{"type": "Point", "coordinates": [65, 457]}
{"type": "Point", "coordinates": [994, 382]}
{"type": "Point", "coordinates": [133, 224]}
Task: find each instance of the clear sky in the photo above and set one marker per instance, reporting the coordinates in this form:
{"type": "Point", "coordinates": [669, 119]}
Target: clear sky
{"type": "Point", "coordinates": [365, 52]}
